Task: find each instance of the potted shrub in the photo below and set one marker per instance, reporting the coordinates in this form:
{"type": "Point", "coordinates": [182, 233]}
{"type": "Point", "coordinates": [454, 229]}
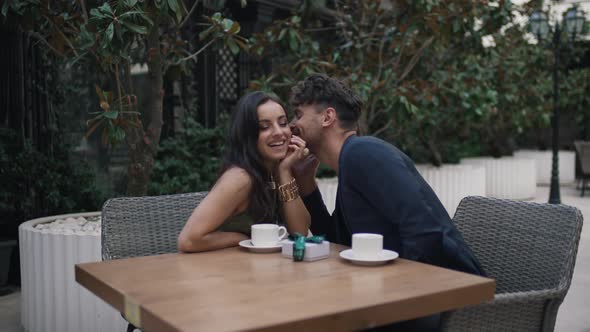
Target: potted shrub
{"type": "Point", "coordinates": [51, 300]}
{"type": "Point", "coordinates": [510, 62]}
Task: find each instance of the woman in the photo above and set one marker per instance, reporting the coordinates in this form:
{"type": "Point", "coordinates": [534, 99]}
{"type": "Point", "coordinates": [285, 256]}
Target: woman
{"type": "Point", "coordinates": [256, 184]}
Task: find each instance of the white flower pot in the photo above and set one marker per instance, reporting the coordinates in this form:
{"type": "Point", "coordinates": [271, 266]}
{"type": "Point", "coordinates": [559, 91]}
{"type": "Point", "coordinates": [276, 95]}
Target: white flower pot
{"type": "Point", "coordinates": [452, 183]}
{"type": "Point", "coordinates": [508, 177]}
{"type": "Point", "coordinates": [544, 159]}
{"type": "Point", "coordinates": [51, 299]}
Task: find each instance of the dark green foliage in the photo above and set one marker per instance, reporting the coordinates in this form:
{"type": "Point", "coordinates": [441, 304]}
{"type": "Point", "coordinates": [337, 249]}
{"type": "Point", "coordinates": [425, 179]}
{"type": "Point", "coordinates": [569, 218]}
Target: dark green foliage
{"type": "Point", "coordinates": [429, 84]}
{"type": "Point", "coordinates": [35, 184]}
{"type": "Point", "coordinates": [189, 162]}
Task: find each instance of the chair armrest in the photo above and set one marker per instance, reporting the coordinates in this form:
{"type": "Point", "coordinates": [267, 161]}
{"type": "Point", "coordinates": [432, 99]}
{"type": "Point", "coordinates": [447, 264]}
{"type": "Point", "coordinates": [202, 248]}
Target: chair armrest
{"type": "Point", "coordinates": [519, 311]}
{"type": "Point", "coordinates": [529, 296]}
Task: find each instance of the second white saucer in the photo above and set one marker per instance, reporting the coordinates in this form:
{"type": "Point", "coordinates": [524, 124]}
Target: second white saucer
{"type": "Point", "coordinates": [248, 245]}
{"type": "Point", "coordinates": [383, 257]}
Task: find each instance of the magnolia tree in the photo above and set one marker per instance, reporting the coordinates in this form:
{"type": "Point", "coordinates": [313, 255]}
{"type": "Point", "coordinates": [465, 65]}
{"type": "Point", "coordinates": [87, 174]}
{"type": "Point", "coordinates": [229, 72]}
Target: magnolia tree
{"type": "Point", "coordinates": [113, 35]}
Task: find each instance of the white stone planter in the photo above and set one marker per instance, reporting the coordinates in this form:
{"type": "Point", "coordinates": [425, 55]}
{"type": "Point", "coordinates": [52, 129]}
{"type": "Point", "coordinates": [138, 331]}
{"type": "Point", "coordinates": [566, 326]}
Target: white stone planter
{"type": "Point", "coordinates": [328, 188]}
{"type": "Point", "coordinates": [543, 160]}
{"type": "Point", "coordinates": [51, 299]}
{"type": "Point", "coordinates": [452, 183]}
{"type": "Point", "coordinates": [508, 177]}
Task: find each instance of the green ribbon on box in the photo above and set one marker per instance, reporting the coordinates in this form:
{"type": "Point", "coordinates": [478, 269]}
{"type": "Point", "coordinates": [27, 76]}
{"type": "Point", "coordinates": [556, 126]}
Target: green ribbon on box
{"type": "Point", "coordinates": [299, 244]}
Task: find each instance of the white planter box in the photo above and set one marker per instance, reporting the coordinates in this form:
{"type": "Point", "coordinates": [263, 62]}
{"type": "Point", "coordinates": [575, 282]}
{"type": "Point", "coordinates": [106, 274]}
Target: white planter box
{"type": "Point", "coordinates": [452, 183]}
{"type": "Point", "coordinates": [328, 188]}
{"type": "Point", "coordinates": [544, 159]}
{"type": "Point", "coordinates": [51, 299]}
{"type": "Point", "coordinates": [508, 177]}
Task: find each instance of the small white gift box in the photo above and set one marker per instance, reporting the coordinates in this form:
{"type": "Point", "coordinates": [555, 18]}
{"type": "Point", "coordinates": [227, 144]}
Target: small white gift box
{"type": "Point", "coordinates": [313, 251]}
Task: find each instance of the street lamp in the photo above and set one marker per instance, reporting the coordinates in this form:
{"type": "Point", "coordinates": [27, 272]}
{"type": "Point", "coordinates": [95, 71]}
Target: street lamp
{"type": "Point", "coordinates": [539, 25]}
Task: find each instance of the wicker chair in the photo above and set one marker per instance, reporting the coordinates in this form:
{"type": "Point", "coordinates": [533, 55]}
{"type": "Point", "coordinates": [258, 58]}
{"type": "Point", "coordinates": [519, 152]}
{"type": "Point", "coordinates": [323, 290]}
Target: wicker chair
{"type": "Point", "coordinates": [583, 150]}
{"type": "Point", "coordinates": [143, 226]}
{"type": "Point", "coordinates": [530, 249]}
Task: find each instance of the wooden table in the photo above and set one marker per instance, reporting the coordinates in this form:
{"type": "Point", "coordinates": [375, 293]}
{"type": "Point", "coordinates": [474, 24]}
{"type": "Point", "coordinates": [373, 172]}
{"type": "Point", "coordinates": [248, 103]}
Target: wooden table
{"type": "Point", "coordinates": [235, 290]}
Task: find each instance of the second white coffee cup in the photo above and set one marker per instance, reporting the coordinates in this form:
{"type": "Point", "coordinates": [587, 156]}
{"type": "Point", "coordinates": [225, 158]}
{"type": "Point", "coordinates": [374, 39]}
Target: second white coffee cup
{"type": "Point", "coordinates": [367, 245]}
{"type": "Point", "coordinates": [264, 235]}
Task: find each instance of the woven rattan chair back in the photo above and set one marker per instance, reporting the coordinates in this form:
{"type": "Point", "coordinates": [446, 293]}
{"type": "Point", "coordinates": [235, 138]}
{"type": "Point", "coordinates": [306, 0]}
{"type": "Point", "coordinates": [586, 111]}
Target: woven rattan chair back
{"type": "Point", "coordinates": [530, 249]}
{"type": "Point", "coordinates": [524, 246]}
{"type": "Point", "coordinates": [142, 226]}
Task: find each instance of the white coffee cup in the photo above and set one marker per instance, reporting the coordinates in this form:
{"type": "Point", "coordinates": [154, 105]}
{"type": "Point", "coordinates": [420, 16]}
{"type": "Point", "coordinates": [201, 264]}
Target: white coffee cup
{"type": "Point", "coordinates": [264, 235]}
{"type": "Point", "coordinates": [367, 245]}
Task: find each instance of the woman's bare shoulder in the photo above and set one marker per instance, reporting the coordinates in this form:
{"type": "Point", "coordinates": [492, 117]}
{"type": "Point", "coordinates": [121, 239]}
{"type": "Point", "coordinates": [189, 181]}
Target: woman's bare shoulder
{"type": "Point", "coordinates": [236, 178]}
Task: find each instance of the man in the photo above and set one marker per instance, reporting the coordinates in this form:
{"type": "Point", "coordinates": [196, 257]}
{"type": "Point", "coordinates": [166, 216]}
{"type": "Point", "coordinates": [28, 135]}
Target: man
{"type": "Point", "coordinates": [379, 189]}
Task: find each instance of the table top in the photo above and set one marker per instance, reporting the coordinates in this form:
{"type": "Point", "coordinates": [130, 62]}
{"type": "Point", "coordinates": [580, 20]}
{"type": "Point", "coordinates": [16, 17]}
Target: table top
{"type": "Point", "coordinates": [236, 290]}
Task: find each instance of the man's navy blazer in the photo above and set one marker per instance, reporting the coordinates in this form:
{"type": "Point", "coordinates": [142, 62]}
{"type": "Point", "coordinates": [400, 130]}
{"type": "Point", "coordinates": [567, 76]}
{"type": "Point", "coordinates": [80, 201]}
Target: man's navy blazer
{"type": "Point", "coordinates": [380, 191]}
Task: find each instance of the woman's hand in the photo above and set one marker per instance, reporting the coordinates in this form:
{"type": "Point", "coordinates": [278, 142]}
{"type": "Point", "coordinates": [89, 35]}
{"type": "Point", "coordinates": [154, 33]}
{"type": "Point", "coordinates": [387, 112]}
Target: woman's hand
{"type": "Point", "coordinates": [296, 152]}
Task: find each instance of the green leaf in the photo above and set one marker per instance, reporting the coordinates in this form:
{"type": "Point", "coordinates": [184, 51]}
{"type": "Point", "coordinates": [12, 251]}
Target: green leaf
{"type": "Point", "coordinates": [111, 114]}
{"type": "Point", "coordinates": [86, 38]}
{"type": "Point", "coordinates": [130, 3]}
{"type": "Point", "coordinates": [235, 28]}
{"type": "Point", "coordinates": [456, 26]}
{"type": "Point", "coordinates": [142, 30]}
{"type": "Point", "coordinates": [293, 43]}
{"type": "Point", "coordinates": [242, 45]}
{"type": "Point", "coordinates": [95, 13]}
{"type": "Point", "coordinates": [106, 8]}
{"type": "Point", "coordinates": [173, 4]}
{"type": "Point", "coordinates": [110, 31]}
{"type": "Point", "coordinates": [5, 8]}
{"type": "Point", "coordinates": [206, 33]}
{"type": "Point", "coordinates": [282, 34]}
{"type": "Point", "coordinates": [234, 48]}
{"type": "Point", "coordinates": [159, 3]}
{"type": "Point", "coordinates": [226, 24]}
{"type": "Point", "coordinates": [316, 46]}
{"type": "Point", "coordinates": [134, 13]}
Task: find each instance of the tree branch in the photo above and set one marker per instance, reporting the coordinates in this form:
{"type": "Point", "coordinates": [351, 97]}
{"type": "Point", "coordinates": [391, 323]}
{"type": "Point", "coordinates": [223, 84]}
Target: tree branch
{"type": "Point", "coordinates": [415, 59]}
{"type": "Point", "coordinates": [196, 53]}
{"type": "Point", "coordinates": [382, 129]}
{"type": "Point", "coordinates": [84, 12]}
{"type": "Point", "coordinates": [119, 87]}
{"type": "Point", "coordinates": [188, 15]}
{"type": "Point", "coordinates": [44, 41]}
{"type": "Point", "coordinates": [62, 34]}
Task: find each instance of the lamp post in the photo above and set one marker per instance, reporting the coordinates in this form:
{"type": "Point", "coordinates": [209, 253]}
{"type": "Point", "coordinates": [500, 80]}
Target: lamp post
{"type": "Point", "coordinates": [573, 25]}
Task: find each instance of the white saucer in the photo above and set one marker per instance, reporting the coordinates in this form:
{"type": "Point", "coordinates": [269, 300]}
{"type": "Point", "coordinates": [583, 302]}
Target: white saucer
{"type": "Point", "coordinates": [248, 245]}
{"type": "Point", "coordinates": [383, 257]}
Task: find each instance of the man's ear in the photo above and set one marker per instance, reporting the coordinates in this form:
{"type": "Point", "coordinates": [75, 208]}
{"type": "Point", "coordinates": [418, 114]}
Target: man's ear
{"type": "Point", "coordinates": [329, 117]}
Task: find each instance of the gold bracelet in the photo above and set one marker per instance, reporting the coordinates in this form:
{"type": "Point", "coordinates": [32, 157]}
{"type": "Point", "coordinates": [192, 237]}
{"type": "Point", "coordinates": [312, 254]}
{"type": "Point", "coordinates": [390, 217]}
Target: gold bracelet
{"type": "Point", "coordinates": [289, 191]}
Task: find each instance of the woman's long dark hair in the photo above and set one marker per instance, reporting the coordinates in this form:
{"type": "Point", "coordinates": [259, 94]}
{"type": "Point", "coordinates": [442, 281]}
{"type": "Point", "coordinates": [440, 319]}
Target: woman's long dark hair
{"type": "Point", "coordinates": [242, 151]}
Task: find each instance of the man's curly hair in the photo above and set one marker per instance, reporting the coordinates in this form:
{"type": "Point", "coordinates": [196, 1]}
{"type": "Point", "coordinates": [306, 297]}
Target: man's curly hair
{"type": "Point", "coordinates": [324, 91]}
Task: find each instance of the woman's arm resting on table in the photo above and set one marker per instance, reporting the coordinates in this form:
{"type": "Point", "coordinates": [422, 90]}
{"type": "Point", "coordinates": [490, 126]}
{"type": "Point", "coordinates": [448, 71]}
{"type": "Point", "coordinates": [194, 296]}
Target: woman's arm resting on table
{"type": "Point", "coordinates": [295, 213]}
{"type": "Point", "coordinates": [228, 197]}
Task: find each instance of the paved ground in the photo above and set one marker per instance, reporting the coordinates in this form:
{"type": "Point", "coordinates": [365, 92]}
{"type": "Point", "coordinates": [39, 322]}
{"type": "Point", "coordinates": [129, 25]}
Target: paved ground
{"type": "Point", "coordinates": [10, 312]}
{"type": "Point", "coordinates": [574, 313]}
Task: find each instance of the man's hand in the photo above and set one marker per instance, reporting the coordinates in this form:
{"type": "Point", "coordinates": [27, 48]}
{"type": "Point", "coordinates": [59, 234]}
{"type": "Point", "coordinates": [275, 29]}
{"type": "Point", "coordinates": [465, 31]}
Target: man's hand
{"type": "Point", "coordinates": [304, 172]}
